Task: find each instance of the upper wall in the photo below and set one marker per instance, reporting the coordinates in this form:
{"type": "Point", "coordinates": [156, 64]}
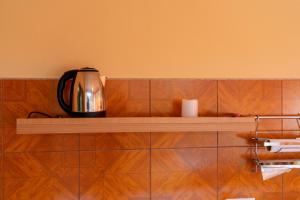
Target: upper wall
{"type": "Point", "coordinates": [151, 38]}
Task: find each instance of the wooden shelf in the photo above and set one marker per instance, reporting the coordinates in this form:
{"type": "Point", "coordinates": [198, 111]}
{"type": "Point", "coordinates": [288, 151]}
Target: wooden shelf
{"type": "Point", "coordinates": [133, 124]}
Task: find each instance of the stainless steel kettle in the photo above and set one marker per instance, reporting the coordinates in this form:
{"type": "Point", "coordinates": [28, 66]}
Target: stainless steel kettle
{"type": "Point", "coordinates": [86, 93]}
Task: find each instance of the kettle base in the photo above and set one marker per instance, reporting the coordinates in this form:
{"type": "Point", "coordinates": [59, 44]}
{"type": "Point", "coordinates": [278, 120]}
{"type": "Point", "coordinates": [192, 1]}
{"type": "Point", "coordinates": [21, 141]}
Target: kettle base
{"type": "Point", "coordinates": [88, 114]}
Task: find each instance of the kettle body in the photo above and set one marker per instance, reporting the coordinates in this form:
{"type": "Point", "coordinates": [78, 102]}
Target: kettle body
{"type": "Point", "coordinates": [85, 93]}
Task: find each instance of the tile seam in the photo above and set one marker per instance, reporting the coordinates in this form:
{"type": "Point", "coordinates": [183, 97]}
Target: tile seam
{"type": "Point", "coordinates": [150, 143]}
{"type": "Point", "coordinates": [217, 142]}
{"type": "Point", "coordinates": [282, 182]}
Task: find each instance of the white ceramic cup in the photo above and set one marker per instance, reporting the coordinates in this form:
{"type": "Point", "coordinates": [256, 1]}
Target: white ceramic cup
{"type": "Point", "coordinates": [189, 108]}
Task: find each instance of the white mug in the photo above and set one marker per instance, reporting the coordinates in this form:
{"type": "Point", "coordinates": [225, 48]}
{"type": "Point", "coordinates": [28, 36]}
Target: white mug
{"type": "Point", "coordinates": [189, 108]}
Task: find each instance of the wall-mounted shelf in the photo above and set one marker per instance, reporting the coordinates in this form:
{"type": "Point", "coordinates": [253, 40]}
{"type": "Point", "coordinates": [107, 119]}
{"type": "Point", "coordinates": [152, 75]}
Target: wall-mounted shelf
{"type": "Point", "coordinates": [133, 124]}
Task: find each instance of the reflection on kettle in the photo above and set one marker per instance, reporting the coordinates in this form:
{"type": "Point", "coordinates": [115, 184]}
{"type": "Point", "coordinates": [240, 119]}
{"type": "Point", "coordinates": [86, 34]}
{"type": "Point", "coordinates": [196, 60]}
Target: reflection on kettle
{"type": "Point", "coordinates": [86, 93]}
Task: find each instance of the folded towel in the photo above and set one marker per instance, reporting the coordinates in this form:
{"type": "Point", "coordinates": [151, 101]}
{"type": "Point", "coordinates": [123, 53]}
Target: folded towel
{"type": "Point", "coordinates": [270, 172]}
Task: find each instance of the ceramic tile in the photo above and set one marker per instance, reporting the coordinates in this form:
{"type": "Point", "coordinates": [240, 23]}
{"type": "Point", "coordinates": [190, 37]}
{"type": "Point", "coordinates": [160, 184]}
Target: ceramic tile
{"type": "Point", "coordinates": [291, 104]}
{"type": "Point", "coordinates": [237, 177]}
{"type": "Point", "coordinates": [114, 141]}
{"type": "Point", "coordinates": [41, 175]}
{"type": "Point", "coordinates": [125, 98]}
{"type": "Point", "coordinates": [166, 96]}
{"type": "Point", "coordinates": [1, 176]}
{"type": "Point", "coordinates": [1, 116]}
{"type": "Point", "coordinates": [1, 102]}
{"type": "Point", "coordinates": [249, 98]}
{"type": "Point", "coordinates": [15, 90]}
{"type": "Point", "coordinates": [40, 95]}
{"type": "Point", "coordinates": [184, 173]}
{"type": "Point", "coordinates": [291, 187]}
{"type": "Point", "coordinates": [115, 175]}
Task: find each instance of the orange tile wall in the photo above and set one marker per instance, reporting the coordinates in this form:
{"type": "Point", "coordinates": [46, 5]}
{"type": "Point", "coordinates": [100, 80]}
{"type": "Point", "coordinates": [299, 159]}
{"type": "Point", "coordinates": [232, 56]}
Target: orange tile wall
{"type": "Point", "coordinates": [141, 166]}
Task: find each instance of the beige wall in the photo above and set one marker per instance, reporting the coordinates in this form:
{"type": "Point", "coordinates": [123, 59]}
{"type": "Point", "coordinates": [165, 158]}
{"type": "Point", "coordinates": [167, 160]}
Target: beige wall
{"type": "Point", "coordinates": [151, 38]}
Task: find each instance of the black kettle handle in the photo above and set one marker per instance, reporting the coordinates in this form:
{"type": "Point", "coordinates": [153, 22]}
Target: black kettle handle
{"type": "Point", "coordinates": [60, 89]}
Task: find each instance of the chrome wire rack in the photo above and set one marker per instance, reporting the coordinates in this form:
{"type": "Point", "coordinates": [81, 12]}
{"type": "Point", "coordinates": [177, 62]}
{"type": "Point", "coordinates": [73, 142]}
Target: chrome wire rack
{"type": "Point", "coordinates": [287, 163]}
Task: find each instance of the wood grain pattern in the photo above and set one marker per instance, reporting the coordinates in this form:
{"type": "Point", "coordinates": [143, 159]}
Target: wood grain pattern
{"type": "Point", "coordinates": [1, 115]}
{"type": "Point", "coordinates": [291, 185]}
{"type": "Point", "coordinates": [291, 180]}
{"type": "Point", "coordinates": [1, 139]}
{"type": "Point", "coordinates": [1, 176]}
{"type": "Point", "coordinates": [115, 175]}
{"type": "Point", "coordinates": [125, 98]}
{"type": "Point", "coordinates": [166, 96]}
{"type": "Point", "coordinates": [1, 165]}
{"type": "Point", "coordinates": [291, 105]}
{"type": "Point", "coordinates": [117, 166]}
{"type": "Point", "coordinates": [133, 124]}
{"type": "Point", "coordinates": [1, 105]}
{"type": "Point", "coordinates": [184, 174]}
{"type": "Point", "coordinates": [101, 141]}
{"type": "Point", "coordinates": [14, 90]}
{"type": "Point", "coordinates": [237, 179]}
{"type": "Point", "coordinates": [183, 140]}
{"type": "Point", "coordinates": [249, 97]}
{"type": "Point", "coordinates": [41, 176]}
{"type": "Point", "coordinates": [37, 95]}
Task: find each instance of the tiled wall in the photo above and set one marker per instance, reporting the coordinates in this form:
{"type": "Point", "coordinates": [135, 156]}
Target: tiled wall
{"type": "Point", "coordinates": [140, 166]}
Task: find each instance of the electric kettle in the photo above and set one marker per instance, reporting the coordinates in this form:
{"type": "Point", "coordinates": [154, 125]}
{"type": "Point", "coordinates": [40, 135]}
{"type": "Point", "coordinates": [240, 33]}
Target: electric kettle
{"type": "Point", "coordinates": [85, 93]}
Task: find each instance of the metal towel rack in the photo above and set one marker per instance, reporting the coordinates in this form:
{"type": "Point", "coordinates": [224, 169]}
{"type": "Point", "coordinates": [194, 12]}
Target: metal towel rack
{"type": "Point", "coordinates": [289, 163]}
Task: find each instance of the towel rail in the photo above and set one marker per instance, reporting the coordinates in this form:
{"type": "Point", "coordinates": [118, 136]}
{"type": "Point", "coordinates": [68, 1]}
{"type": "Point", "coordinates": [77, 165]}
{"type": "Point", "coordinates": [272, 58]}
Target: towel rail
{"type": "Point", "coordinates": [273, 163]}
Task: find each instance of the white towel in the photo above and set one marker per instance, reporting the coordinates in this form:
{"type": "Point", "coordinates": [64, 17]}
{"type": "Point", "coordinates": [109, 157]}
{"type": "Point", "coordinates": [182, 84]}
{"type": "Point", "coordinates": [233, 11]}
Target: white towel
{"type": "Point", "coordinates": [270, 172]}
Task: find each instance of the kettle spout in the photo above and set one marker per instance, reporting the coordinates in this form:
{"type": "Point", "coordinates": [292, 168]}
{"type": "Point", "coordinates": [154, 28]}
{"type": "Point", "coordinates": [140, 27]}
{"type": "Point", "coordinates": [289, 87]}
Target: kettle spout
{"type": "Point", "coordinates": [103, 80]}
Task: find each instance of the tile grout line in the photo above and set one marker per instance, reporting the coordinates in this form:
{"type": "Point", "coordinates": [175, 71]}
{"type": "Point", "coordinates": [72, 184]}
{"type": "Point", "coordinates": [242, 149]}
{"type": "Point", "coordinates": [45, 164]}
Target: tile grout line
{"type": "Point", "coordinates": [217, 142]}
{"type": "Point", "coordinates": [149, 98]}
{"type": "Point", "coordinates": [78, 151]}
{"type": "Point", "coordinates": [2, 137]}
{"type": "Point", "coordinates": [150, 169]}
{"type": "Point", "coordinates": [150, 146]}
{"type": "Point", "coordinates": [127, 149]}
{"type": "Point", "coordinates": [281, 85]}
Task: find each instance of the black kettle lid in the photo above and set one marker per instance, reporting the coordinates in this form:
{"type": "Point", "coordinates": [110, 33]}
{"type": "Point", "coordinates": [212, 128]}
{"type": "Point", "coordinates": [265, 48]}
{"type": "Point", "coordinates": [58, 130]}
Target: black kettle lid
{"type": "Point", "coordinates": [88, 69]}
